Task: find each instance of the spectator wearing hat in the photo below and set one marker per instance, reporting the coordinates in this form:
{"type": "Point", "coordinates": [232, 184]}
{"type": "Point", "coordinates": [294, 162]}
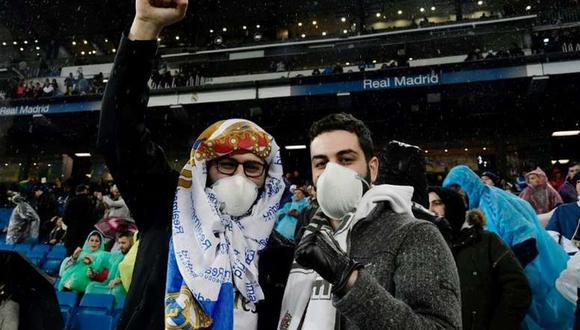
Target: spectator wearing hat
{"type": "Point", "coordinates": [491, 179]}
{"type": "Point", "coordinates": [289, 214]}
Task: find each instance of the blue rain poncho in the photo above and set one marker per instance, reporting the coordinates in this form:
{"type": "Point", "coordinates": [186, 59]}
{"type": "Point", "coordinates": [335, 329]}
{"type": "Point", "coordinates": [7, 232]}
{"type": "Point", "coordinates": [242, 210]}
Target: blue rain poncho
{"type": "Point", "coordinates": [514, 220]}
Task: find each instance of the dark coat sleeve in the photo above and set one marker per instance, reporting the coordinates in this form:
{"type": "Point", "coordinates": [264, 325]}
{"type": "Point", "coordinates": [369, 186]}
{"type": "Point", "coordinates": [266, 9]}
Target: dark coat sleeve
{"type": "Point", "coordinates": [137, 163]}
{"type": "Point", "coordinates": [143, 176]}
{"type": "Point", "coordinates": [515, 295]}
{"type": "Point", "coordinates": [427, 288]}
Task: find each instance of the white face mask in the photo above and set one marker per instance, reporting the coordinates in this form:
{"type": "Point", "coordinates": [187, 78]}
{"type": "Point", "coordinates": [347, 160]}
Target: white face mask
{"type": "Point", "coordinates": [236, 194]}
{"type": "Point", "coordinates": [339, 190]}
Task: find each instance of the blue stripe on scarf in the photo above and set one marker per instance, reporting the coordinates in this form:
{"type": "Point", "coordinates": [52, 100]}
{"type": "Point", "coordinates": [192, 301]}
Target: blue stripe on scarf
{"type": "Point", "coordinates": [221, 311]}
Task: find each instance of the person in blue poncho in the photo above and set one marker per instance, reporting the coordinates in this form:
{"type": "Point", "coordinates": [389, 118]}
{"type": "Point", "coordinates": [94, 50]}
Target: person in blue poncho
{"type": "Point", "coordinates": [514, 220]}
{"type": "Point", "coordinates": [289, 214]}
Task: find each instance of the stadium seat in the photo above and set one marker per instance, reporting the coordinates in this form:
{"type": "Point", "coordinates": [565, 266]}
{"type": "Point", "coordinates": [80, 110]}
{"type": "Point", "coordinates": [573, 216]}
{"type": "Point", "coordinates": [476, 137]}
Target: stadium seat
{"type": "Point", "coordinates": [92, 322]}
{"type": "Point", "coordinates": [96, 303]}
{"type": "Point", "coordinates": [67, 299]}
{"type": "Point", "coordinates": [6, 247]}
{"type": "Point", "coordinates": [22, 248]}
{"type": "Point", "coordinates": [51, 267]}
{"type": "Point", "coordinates": [37, 261]}
{"type": "Point", "coordinates": [44, 248]}
{"type": "Point", "coordinates": [36, 254]}
{"type": "Point", "coordinates": [57, 253]}
{"type": "Point", "coordinates": [5, 214]}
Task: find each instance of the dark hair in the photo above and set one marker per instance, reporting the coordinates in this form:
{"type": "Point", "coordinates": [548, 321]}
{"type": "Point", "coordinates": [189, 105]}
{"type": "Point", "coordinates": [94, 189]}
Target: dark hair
{"type": "Point", "coordinates": [345, 122]}
{"type": "Point", "coordinates": [125, 234]}
{"type": "Point", "coordinates": [98, 235]}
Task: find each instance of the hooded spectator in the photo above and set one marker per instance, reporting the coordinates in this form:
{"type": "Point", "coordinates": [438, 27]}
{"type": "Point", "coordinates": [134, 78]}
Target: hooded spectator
{"type": "Point", "coordinates": [539, 193]}
{"type": "Point", "coordinates": [113, 284]}
{"type": "Point", "coordinates": [491, 179]}
{"type": "Point", "coordinates": [24, 222]}
{"type": "Point", "coordinates": [404, 165]}
{"type": "Point", "coordinates": [495, 293]}
{"type": "Point", "coordinates": [515, 221]}
{"type": "Point", "coordinates": [289, 214]}
{"type": "Point", "coordinates": [76, 270]}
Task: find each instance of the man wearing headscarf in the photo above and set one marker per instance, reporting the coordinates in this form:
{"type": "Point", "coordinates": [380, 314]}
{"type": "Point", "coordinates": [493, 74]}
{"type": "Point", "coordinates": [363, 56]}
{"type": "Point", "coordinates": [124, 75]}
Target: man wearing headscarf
{"type": "Point", "coordinates": [204, 256]}
{"type": "Point", "coordinates": [514, 220]}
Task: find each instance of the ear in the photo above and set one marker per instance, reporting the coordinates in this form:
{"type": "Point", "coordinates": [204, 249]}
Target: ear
{"type": "Point", "coordinates": [374, 167]}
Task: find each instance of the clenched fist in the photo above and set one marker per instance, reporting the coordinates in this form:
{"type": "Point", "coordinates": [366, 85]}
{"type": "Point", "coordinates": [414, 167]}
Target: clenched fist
{"type": "Point", "coordinates": [151, 16]}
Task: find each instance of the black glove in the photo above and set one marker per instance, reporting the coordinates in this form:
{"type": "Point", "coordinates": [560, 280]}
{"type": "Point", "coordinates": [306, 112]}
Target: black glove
{"type": "Point", "coordinates": [320, 252]}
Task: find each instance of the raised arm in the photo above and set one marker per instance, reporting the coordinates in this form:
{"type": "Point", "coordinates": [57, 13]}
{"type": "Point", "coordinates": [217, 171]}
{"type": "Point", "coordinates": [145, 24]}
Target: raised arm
{"type": "Point", "coordinates": [137, 163]}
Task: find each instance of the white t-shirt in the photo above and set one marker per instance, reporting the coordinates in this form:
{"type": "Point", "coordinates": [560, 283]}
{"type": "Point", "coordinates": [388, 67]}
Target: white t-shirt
{"type": "Point", "coordinates": [245, 316]}
{"type": "Point", "coordinates": [317, 315]}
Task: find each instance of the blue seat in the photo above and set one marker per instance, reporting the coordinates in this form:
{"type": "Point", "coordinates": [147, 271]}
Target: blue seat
{"type": "Point", "coordinates": [67, 299]}
{"type": "Point", "coordinates": [66, 317]}
{"type": "Point", "coordinates": [92, 322]}
{"type": "Point", "coordinates": [97, 303]}
{"type": "Point", "coordinates": [37, 261]}
{"type": "Point", "coordinates": [36, 254]}
{"type": "Point", "coordinates": [22, 248]}
{"type": "Point", "coordinates": [5, 214]}
{"type": "Point", "coordinates": [56, 254]}
{"type": "Point", "coordinates": [51, 267]}
{"type": "Point", "coordinates": [120, 304]}
{"type": "Point", "coordinates": [44, 248]}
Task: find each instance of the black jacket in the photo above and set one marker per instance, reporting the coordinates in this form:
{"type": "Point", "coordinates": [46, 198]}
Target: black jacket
{"type": "Point", "coordinates": [148, 185]}
{"type": "Point", "coordinates": [80, 218]}
{"type": "Point", "coordinates": [495, 293]}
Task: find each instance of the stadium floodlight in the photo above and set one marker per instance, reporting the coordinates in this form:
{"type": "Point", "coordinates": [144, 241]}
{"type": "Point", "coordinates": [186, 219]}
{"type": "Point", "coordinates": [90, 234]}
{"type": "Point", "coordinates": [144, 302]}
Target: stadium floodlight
{"type": "Point", "coordinates": [295, 147]}
{"type": "Point", "coordinates": [566, 133]}
{"type": "Point", "coordinates": [343, 19]}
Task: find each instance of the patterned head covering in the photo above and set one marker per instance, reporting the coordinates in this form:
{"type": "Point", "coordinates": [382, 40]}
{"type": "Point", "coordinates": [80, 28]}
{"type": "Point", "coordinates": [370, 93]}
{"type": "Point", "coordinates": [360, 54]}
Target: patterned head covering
{"type": "Point", "coordinates": [214, 254]}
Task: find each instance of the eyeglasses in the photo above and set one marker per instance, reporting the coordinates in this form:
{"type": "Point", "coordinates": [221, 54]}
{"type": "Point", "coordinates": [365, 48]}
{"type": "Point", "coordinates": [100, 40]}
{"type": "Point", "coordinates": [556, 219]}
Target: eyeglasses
{"type": "Point", "coordinates": [229, 166]}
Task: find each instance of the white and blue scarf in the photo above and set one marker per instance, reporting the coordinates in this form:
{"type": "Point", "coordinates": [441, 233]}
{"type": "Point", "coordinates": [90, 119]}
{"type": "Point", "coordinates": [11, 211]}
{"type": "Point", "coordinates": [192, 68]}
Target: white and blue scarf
{"type": "Point", "coordinates": [211, 254]}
